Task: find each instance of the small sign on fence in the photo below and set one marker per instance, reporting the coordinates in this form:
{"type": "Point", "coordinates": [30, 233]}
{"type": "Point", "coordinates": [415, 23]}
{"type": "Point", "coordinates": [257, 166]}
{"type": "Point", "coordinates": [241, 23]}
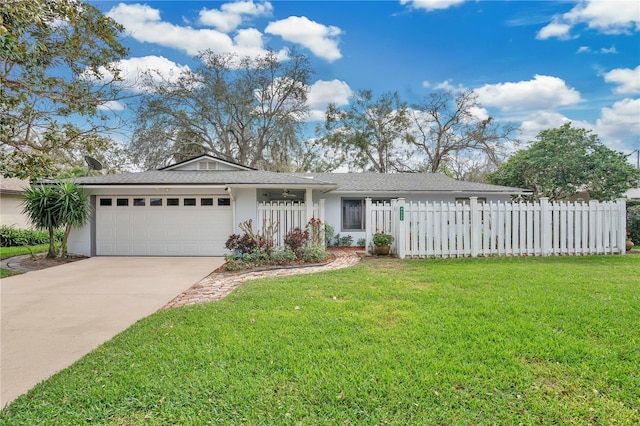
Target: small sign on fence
{"type": "Point", "coordinates": [401, 214]}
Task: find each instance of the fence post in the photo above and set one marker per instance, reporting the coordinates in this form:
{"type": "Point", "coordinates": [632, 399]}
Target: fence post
{"type": "Point", "coordinates": [622, 225]}
{"type": "Point", "coordinates": [401, 246]}
{"type": "Point", "coordinates": [321, 216]}
{"type": "Point", "coordinates": [367, 225]}
{"type": "Point", "coordinates": [475, 226]}
{"type": "Point", "coordinates": [546, 226]}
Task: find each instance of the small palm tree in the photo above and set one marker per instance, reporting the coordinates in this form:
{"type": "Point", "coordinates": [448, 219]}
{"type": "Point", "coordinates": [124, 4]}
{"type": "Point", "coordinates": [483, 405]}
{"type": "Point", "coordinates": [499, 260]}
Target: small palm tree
{"type": "Point", "coordinates": [41, 207]}
{"type": "Point", "coordinates": [53, 206]}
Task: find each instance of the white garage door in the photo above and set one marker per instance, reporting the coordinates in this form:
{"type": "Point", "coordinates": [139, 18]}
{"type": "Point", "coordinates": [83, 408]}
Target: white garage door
{"type": "Point", "coordinates": [162, 226]}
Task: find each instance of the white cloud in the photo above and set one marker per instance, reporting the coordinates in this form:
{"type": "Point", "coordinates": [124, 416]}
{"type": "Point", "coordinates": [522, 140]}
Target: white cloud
{"type": "Point", "coordinates": [584, 49]}
{"type": "Point", "coordinates": [543, 120]}
{"type": "Point", "coordinates": [112, 106]}
{"type": "Point", "coordinates": [607, 17]}
{"type": "Point", "coordinates": [628, 80]}
{"type": "Point", "coordinates": [232, 15]}
{"type": "Point", "coordinates": [542, 92]}
{"type": "Point", "coordinates": [145, 25]}
{"type": "Point", "coordinates": [554, 29]}
{"type": "Point", "coordinates": [131, 70]}
{"type": "Point", "coordinates": [322, 40]}
{"type": "Point", "coordinates": [431, 5]}
{"type": "Point", "coordinates": [618, 122]}
{"type": "Point", "coordinates": [444, 85]}
{"type": "Point", "coordinates": [608, 50]}
{"type": "Point", "coordinates": [322, 93]}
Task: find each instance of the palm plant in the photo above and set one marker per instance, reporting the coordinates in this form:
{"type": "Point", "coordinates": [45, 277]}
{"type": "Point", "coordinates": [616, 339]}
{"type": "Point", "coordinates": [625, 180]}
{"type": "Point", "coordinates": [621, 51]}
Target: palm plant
{"type": "Point", "coordinates": [53, 206]}
{"type": "Point", "coordinates": [41, 207]}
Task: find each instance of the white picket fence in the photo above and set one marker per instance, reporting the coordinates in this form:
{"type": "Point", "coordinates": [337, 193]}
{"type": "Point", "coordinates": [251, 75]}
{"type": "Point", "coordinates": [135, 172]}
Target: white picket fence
{"type": "Point", "coordinates": [286, 216]}
{"type": "Point", "coordinates": [503, 229]}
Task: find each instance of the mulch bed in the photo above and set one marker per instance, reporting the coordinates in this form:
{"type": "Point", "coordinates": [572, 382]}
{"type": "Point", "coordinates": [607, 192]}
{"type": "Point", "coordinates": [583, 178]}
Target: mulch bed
{"type": "Point", "coordinates": [42, 261]}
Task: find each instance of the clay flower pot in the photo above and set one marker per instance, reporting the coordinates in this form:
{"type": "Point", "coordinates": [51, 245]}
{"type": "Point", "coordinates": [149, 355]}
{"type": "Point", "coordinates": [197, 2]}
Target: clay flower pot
{"type": "Point", "coordinates": [629, 244]}
{"type": "Point", "coordinates": [382, 250]}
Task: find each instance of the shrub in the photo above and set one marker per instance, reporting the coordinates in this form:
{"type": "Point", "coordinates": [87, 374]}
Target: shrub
{"type": "Point", "coordinates": [296, 240]}
{"type": "Point", "coordinates": [361, 242]}
{"type": "Point", "coordinates": [13, 237]}
{"type": "Point", "coordinates": [346, 241]}
{"type": "Point", "coordinates": [328, 234]}
{"type": "Point", "coordinates": [633, 223]}
{"type": "Point", "coordinates": [283, 257]}
{"type": "Point", "coordinates": [240, 243]}
{"type": "Point", "coordinates": [315, 253]}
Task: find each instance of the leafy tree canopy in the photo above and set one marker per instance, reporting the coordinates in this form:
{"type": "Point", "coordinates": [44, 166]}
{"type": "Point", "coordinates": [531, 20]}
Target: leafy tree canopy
{"type": "Point", "coordinates": [564, 161]}
{"type": "Point", "coordinates": [52, 60]}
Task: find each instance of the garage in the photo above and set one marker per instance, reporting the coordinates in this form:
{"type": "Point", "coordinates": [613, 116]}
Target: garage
{"type": "Point", "coordinates": [151, 225]}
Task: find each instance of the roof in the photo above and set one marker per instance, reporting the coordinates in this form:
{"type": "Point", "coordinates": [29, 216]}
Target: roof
{"type": "Point", "coordinates": [405, 182]}
{"type": "Point", "coordinates": [205, 177]}
{"type": "Point", "coordinates": [13, 185]}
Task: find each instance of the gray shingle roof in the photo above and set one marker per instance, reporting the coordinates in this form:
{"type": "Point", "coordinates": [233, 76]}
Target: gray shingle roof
{"type": "Point", "coordinates": [197, 177]}
{"type": "Point", "coordinates": [343, 182]}
{"type": "Point", "coordinates": [405, 182]}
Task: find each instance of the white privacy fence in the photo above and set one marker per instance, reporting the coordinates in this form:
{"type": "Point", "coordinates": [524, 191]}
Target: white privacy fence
{"type": "Point", "coordinates": [283, 217]}
{"type": "Point", "coordinates": [504, 229]}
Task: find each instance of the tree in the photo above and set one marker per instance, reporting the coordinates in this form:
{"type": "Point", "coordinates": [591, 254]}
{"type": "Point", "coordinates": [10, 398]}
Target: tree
{"type": "Point", "coordinates": [564, 161]}
{"type": "Point", "coordinates": [52, 86]}
{"type": "Point", "coordinates": [52, 206]}
{"type": "Point", "coordinates": [445, 127]}
{"type": "Point", "coordinates": [368, 134]}
{"type": "Point", "coordinates": [247, 110]}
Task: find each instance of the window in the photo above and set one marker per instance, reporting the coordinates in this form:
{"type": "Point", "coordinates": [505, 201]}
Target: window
{"type": "Point", "coordinates": [467, 200]}
{"type": "Point", "coordinates": [224, 201]}
{"type": "Point", "coordinates": [352, 214]}
{"type": "Point", "coordinates": [138, 202]}
{"type": "Point", "coordinates": [206, 201]}
{"type": "Point", "coordinates": [106, 202]}
{"type": "Point", "coordinates": [122, 202]}
{"type": "Point", "coordinates": [189, 202]}
{"type": "Point", "coordinates": [173, 201]}
{"type": "Point", "coordinates": [155, 202]}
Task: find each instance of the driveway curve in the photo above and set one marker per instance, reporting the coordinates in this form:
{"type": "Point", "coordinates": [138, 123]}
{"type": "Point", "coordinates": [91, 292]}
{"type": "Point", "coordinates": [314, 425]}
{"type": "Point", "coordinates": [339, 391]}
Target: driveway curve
{"type": "Point", "coordinates": [52, 317]}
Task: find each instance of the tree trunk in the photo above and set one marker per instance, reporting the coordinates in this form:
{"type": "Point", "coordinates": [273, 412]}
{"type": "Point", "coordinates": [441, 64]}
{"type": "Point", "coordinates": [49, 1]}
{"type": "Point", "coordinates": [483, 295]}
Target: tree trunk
{"type": "Point", "coordinates": [52, 247]}
{"type": "Point", "coordinates": [65, 237]}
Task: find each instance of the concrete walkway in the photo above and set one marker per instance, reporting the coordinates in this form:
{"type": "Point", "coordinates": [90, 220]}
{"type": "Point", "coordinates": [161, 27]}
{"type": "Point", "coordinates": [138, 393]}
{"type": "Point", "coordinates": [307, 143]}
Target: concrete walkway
{"type": "Point", "coordinates": [52, 317]}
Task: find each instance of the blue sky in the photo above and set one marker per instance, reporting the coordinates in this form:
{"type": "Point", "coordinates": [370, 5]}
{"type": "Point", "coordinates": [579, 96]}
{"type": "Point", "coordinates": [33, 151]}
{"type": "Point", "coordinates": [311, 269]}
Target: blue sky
{"type": "Point", "coordinates": [535, 63]}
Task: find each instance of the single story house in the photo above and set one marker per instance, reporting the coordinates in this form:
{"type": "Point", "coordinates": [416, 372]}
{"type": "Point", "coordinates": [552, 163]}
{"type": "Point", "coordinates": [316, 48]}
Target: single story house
{"type": "Point", "coordinates": [190, 208]}
{"type": "Point", "coordinates": [11, 191]}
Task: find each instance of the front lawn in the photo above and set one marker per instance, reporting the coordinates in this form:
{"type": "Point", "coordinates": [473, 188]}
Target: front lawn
{"type": "Point", "coordinates": [470, 341]}
{"type": "Point", "coordinates": [20, 250]}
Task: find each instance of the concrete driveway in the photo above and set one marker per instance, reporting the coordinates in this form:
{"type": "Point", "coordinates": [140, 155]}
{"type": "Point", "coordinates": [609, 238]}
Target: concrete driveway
{"type": "Point", "coordinates": [53, 317]}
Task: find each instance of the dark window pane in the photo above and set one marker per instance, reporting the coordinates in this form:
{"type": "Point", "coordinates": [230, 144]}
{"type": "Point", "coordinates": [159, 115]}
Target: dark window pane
{"type": "Point", "coordinates": [224, 201]}
{"type": "Point", "coordinates": [173, 202]}
{"type": "Point", "coordinates": [206, 201]}
{"type": "Point", "coordinates": [122, 202]}
{"type": "Point", "coordinates": [189, 202]}
{"type": "Point", "coordinates": [352, 214]}
{"type": "Point", "coordinates": [155, 202]}
{"type": "Point", "coordinates": [106, 202]}
{"type": "Point", "coordinates": [138, 201]}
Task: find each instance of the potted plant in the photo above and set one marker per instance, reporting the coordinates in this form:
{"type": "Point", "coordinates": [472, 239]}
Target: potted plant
{"type": "Point", "coordinates": [382, 243]}
{"type": "Point", "coordinates": [629, 242]}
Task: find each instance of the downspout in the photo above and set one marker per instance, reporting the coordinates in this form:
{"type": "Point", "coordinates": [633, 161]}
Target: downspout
{"type": "Point", "coordinates": [233, 207]}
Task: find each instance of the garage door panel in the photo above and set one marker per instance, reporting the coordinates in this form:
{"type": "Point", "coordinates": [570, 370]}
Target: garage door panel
{"type": "Point", "coordinates": [162, 230]}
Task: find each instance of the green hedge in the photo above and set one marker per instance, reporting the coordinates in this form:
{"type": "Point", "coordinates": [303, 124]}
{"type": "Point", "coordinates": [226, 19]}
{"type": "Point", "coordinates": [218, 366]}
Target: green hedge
{"type": "Point", "coordinates": [14, 237]}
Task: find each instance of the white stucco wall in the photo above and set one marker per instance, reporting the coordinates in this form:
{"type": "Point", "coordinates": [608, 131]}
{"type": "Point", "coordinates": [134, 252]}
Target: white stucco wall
{"type": "Point", "coordinates": [246, 206]}
{"type": "Point", "coordinates": [11, 211]}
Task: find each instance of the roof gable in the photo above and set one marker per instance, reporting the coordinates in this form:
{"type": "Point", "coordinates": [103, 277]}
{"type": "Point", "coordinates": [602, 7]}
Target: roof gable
{"type": "Point", "coordinates": [206, 162]}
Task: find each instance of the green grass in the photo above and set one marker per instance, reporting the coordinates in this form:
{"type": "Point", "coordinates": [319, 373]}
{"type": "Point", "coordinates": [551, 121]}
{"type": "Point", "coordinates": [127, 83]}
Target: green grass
{"type": "Point", "coordinates": [4, 273]}
{"type": "Point", "coordinates": [17, 251]}
{"type": "Point", "coordinates": [471, 341]}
